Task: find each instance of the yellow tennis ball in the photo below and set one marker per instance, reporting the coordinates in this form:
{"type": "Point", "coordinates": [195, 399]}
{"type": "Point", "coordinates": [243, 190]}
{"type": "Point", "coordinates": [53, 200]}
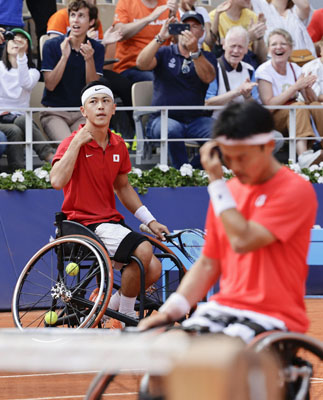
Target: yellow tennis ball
{"type": "Point", "coordinates": [72, 269]}
{"type": "Point", "coordinates": [51, 318]}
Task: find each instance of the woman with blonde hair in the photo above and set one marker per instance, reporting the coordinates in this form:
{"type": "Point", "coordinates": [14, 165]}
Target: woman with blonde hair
{"type": "Point", "coordinates": [279, 83]}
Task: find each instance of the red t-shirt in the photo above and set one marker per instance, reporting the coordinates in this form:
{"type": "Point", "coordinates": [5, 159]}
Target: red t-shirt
{"type": "Point", "coordinates": [315, 27]}
{"type": "Point", "coordinates": [128, 11]}
{"type": "Point", "coordinates": [270, 280]}
{"type": "Point", "coordinates": [89, 196]}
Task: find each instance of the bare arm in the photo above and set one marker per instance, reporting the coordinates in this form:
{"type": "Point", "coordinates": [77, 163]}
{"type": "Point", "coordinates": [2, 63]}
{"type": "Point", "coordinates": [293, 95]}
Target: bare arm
{"type": "Point", "coordinates": [63, 169]}
{"type": "Point", "coordinates": [130, 199]}
{"type": "Point", "coordinates": [199, 280]}
{"type": "Point", "coordinates": [260, 49]}
{"type": "Point", "coordinates": [204, 69]}
{"type": "Point", "coordinates": [146, 59]}
{"type": "Point", "coordinates": [244, 235]}
{"type": "Point", "coordinates": [52, 78]}
{"type": "Point", "coordinates": [303, 8]}
{"type": "Point", "coordinates": [131, 29]}
{"type": "Point", "coordinates": [208, 35]}
{"type": "Point", "coordinates": [126, 193]}
{"type": "Point", "coordinates": [194, 286]}
{"type": "Point", "coordinates": [87, 52]}
{"type": "Point", "coordinates": [223, 7]}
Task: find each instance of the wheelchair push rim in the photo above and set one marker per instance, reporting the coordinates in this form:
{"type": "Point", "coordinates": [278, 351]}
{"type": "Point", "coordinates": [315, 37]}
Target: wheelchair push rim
{"type": "Point", "coordinates": [44, 285]}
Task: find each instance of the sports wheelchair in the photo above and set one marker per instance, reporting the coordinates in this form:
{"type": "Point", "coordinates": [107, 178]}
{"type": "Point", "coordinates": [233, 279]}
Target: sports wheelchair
{"type": "Point", "coordinates": [299, 359]}
{"type": "Point", "coordinates": [79, 299]}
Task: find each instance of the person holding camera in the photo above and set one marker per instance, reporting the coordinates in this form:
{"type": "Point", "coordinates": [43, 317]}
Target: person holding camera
{"type": "Point", "coordinates": [17, 79]}
{"type": "Point", "coordinates": [182, 73]}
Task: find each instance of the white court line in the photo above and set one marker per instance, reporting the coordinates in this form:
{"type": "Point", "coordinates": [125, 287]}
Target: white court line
{"type": "Point", "coordinates": [132, 371]}
{"type": "Point", "coordinates": [80, 397]}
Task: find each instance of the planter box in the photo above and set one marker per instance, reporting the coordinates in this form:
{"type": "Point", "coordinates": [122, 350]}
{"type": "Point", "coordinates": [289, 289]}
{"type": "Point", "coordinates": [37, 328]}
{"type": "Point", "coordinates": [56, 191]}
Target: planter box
{"type": "Point", "coordinates": [26, 224]}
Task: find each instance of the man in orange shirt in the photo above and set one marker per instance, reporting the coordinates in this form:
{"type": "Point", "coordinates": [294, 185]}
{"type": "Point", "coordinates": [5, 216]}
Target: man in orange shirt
{"type": "Point", "coordinates": [139, 22]}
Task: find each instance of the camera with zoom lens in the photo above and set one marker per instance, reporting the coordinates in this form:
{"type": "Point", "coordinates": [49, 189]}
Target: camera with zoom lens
{"type": "Point", "coordinates": [8, 35]}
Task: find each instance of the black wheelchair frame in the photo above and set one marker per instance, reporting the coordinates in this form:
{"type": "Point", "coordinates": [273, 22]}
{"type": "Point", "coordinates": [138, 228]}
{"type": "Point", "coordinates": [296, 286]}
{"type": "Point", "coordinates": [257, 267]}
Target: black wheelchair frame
{"type": "Point", "coordinates": [44, 285]}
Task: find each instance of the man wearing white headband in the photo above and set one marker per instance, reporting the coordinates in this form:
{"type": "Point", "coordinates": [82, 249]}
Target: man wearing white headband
{"type": "Point", "coordinates": [90, 166]}
{"type": "Point", "coordinates": [257, 236]}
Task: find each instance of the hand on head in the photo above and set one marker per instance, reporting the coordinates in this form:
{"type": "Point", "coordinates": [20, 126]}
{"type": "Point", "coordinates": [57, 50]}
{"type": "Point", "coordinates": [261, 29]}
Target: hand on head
{"type": "Point", "coordinates": [211, 161]}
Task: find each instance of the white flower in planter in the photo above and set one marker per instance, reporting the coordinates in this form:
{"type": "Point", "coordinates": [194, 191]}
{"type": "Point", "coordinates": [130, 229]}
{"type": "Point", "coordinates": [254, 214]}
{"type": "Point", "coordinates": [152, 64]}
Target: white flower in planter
{"type": "Point", "coordinates": [320, 179]}
{"type": "Point", "coordinates": [41, 174]}
{"type": "Point", "coordinates": [314, 167]}
{"type": "Point", "coordinates": [137, 171]}
{"type": "Point", "coordinates": [4, 175]}
{"type": "Point", "coordinates": [17, 176]}
{"type": "Point", "coordinates": [163, 167]}
{"type": "Point", "coordinates": [186, 170]}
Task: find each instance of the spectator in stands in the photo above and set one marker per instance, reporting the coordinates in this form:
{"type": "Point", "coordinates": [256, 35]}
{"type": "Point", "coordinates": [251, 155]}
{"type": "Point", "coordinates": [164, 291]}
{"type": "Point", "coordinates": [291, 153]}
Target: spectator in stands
{"type": "Point", "coordinates": [237, 13]}
{"type": "Point", "coordinates": [58, 24]}
{"type": "Point", "coordinates": [235, 79]}
{"type": "Point", "coordinates": [188, 5]}
{"type": "Point", "coordinates": [139, 22]}
{"type": "Point", "coordinates": [315, 28]}
{"type": "Point", "coordinates": [279, 83]}
{"type": "Point", "coordinates": [69, 62]}
{"type": "Point", "coordinates": [17, 79]}
{"type": "Point", "coordinates": [291, 15]}
{"type": "Point", "coordinates": [182, 73]}
{"type": "Point", "coordinates": [120, 86]}
{"type": "Point", "coordinates": [315, 67]}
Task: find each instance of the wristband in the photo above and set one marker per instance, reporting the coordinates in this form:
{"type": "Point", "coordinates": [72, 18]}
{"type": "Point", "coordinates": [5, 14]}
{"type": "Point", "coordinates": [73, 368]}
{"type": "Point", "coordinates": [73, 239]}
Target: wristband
{"type": "Point", "coordinates": [159, 40]}
{"type": "Point", "coordinates": [144, 215]}
{"type": "Point", "coordinates": [221, 197]}
{"type": "Point", "coordinates": [176, 306]}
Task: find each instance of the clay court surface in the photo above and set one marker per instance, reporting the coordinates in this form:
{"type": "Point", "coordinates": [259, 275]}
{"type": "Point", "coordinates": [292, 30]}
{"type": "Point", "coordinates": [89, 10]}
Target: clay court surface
{"type": "Point", "coordinates": [73, 386]}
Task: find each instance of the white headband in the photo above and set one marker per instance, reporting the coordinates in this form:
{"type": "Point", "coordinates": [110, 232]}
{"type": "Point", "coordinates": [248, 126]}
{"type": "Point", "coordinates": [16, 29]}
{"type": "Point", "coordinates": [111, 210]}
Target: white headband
{"type": "Point", "coordinates": [98, 89]}
{"type": "Point", "coordinates": [260, 138]}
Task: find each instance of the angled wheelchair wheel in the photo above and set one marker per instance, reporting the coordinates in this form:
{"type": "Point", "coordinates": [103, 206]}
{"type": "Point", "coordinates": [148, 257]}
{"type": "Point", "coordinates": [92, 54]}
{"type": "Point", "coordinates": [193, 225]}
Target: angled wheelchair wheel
{"type": "Point", "coordinates": [56, 285]}
{"type": "Point", "coordinates": [172, 273]}
{"type": "Point", "coordinates": [300, 359]}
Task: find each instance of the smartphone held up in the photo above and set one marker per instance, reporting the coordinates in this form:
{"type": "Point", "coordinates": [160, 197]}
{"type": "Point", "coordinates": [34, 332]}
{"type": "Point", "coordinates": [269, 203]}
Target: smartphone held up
{"type": "Point", "coordinates": [178, 28]}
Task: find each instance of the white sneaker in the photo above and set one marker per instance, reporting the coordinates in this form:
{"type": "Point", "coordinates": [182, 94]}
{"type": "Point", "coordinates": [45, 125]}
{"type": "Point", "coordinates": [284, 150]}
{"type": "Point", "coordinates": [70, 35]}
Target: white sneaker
{"type": "Point", "coordinates": [309, 157]}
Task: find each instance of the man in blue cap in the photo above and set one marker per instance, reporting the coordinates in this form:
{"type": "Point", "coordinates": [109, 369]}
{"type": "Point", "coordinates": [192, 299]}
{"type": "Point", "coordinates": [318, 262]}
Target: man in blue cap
{"type": "Point", "coordinates": [182, 73]}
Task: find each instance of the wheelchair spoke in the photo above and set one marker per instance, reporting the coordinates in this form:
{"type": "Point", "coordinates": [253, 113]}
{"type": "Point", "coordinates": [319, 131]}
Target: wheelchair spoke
{"type": "Point", "coordinates": [38, 291]}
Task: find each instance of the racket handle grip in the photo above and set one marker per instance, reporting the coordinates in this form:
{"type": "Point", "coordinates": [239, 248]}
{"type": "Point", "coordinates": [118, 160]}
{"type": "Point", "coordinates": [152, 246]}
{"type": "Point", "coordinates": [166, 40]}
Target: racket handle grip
{"type": "Point", "coordinates": [146, 229]}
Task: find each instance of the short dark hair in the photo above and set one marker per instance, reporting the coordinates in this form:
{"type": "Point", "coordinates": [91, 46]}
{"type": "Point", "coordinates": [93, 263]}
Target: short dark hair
{"type": "Point", "coordinates": [101, 81]}
{"type": "Point", "coordinates": [241, 120]}
{"type": "Point", "coordinates": [78, 4]}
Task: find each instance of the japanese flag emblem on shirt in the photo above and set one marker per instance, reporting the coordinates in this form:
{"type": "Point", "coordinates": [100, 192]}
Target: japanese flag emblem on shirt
{"type": "Point", "coordinates": [116, 158]}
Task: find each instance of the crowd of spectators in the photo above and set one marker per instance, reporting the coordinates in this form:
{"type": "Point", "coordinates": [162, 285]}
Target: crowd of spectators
{"type": "Point", "coordinates": [242, 49]}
